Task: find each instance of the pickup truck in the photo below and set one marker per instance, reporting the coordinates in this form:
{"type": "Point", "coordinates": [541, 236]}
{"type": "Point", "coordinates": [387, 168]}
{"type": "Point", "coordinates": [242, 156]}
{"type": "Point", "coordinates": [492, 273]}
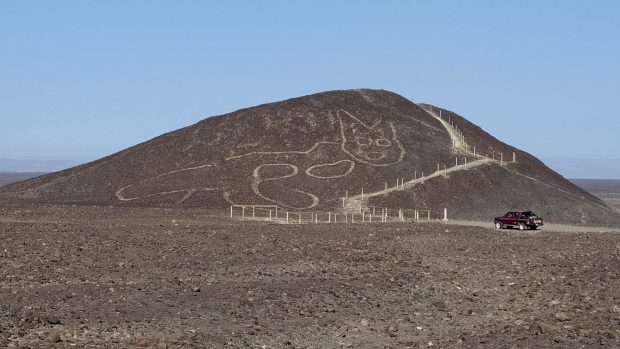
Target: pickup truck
{"type": "Point", "coordinates": [523, 220]}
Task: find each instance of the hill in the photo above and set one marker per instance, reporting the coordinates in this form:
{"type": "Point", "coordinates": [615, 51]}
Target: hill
{"type": "Point", "coordinates": [309, 153]}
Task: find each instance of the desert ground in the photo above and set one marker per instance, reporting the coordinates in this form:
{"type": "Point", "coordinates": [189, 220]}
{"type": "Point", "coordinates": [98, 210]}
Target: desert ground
{"type": "Point", "coordinates": [109, 277]}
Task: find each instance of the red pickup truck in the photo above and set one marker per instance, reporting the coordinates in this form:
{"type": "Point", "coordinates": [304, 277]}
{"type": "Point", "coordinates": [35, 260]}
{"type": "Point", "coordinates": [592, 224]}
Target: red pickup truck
{"type": "Point", "coordinates": [523, 220]}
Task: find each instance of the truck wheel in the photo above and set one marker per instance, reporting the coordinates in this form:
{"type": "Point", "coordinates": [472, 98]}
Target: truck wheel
{"type": "Point", "coordinates": [521, 226]}
{"type": "Point", "coordinates": [498, 225]}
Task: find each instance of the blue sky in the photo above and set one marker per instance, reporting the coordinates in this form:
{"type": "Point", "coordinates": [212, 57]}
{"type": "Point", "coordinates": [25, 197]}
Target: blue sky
{"type": "Point", "coordinates": [83, 79]}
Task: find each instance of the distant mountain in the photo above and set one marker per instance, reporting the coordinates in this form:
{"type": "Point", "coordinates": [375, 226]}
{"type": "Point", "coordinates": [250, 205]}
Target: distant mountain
{"type": "Point", "coordinates": [21, 165]}
{"type": "Point", "coordinates": [585, 168]}
{"type": "Point", "coordinates": [599, 186]}
{"type": "Point", "coordinates": [606, 189]}
{"type": "Point", "coordinates": [320, 152]}
{"type": "Point", "coordinates": [12, 177]}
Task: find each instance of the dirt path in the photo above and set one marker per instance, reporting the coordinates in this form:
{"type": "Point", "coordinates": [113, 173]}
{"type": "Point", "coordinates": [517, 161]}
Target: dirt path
{"type": "Point", "coordinates": [548, 227]}
{"type": "Point", "coordinates": [360, 200]}
{"type": "Point", "coordinates": [458, 141]}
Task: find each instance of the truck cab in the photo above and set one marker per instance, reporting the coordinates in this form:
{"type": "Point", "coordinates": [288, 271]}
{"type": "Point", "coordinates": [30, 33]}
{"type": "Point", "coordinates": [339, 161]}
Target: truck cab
{"type": "Point", "coordinates": [521, 219]}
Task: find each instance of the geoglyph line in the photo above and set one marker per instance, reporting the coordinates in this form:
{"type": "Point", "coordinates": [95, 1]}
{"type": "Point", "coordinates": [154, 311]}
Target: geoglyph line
{"type": "Point", "coordinates": [383, 149]}
{"type": "Point", "coordinates": [281, 152]}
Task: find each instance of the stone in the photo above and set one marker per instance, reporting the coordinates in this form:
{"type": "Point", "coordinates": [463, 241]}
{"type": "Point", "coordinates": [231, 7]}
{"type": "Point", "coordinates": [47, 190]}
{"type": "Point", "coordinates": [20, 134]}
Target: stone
{"type": "Point", "coordinates": [546, 329]}
{"type": "Point", "coordinates": [440, 305]}
{"type": "Point", "coordinates": [582, 332]}
{"type": "Point", "coordinates": [53, 320]}
{"type": "Point", "coordinates": [142, 343]}
{"type": "Point", "coordinates": [364, 322]}
{"type": "Point", "coordinates": [392, 327]}
{"type": "Point", "coordinates": [562, 316]}
{"type": "Point", "coordinates": [67, 337]}
{"type": "Point", "coordinates": [612, 335]}
{"type": "Point", "coordinates": [53, 337]}
{"type": "Point", "coordinates": [195, 289]}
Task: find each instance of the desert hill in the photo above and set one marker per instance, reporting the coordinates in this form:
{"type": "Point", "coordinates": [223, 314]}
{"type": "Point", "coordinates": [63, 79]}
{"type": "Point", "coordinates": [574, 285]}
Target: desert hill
{"type": "Point", "coordinates": [309, 153]}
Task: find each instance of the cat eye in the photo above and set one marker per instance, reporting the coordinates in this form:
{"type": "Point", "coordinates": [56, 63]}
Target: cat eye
{"type": "Point", "coordinates": [382, 142]}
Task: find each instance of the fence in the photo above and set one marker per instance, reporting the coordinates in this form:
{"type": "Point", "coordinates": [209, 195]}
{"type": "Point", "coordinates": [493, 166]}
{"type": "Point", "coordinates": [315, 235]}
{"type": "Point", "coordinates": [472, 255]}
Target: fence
{"type": "Point", "coordinates": [363, 215]}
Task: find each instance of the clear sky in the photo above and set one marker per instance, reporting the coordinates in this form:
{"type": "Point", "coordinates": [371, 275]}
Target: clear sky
{"type": "Point", "coordinates": [83, 79]}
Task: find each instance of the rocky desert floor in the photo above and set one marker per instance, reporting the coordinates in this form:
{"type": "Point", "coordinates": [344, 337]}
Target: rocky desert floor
{"type": "Point", "coordinates": [103, 277]}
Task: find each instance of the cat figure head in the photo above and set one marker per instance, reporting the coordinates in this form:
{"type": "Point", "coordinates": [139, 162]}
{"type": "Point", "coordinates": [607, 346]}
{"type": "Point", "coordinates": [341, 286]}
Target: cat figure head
{"type": "Point", "coordinates": [375, 145]}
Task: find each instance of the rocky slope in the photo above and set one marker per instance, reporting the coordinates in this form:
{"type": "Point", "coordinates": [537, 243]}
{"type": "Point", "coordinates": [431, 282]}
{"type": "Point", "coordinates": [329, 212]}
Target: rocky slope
{"type": "Point", "coordinates": [309, 153]}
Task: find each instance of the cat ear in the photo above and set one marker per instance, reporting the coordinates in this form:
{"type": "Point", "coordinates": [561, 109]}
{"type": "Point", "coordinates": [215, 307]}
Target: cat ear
{"type": "Point", "coordinates": [348, 122]}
